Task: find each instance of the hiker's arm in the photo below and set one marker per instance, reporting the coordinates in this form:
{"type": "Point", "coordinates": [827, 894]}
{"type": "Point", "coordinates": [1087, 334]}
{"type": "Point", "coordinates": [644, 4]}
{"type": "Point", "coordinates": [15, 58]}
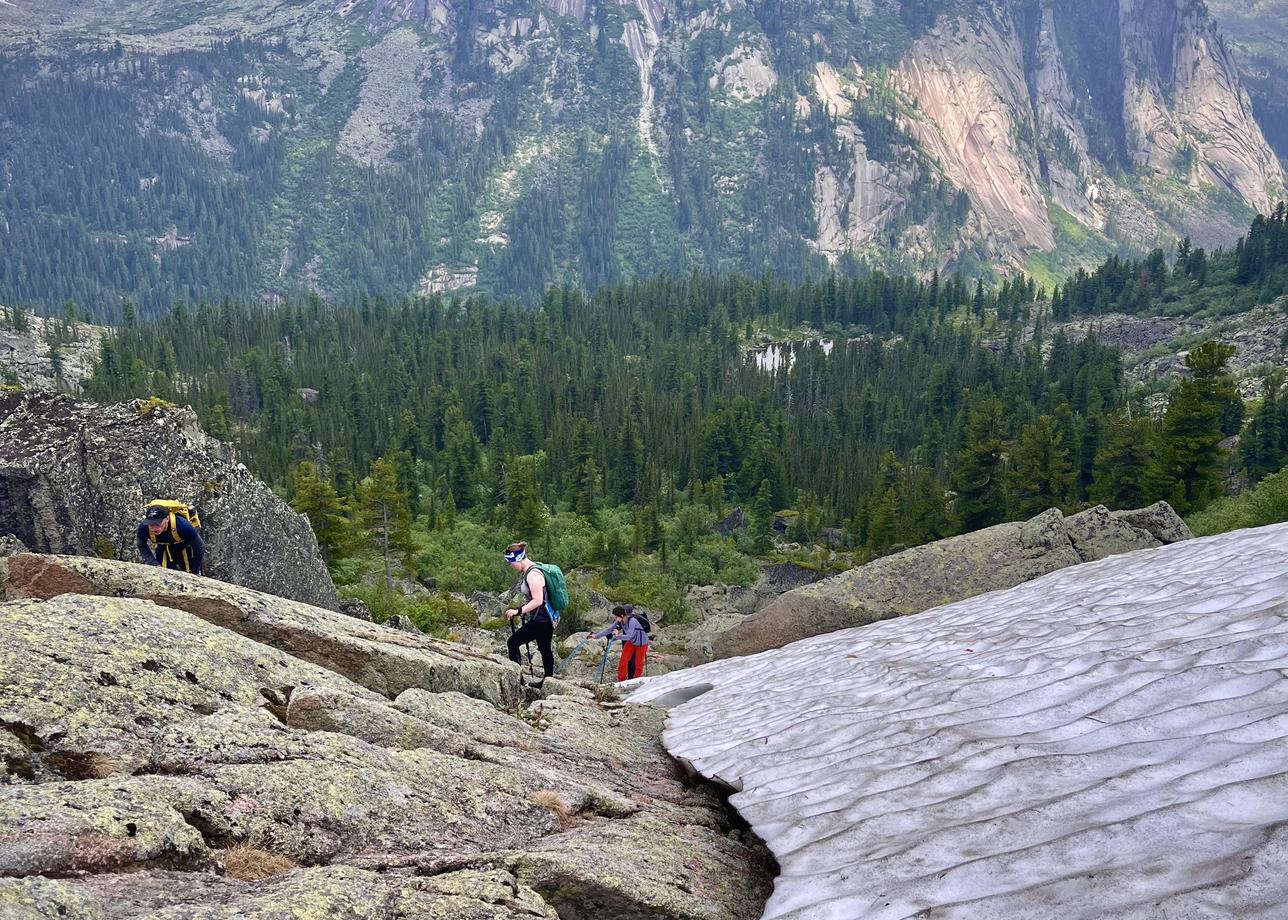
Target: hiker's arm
{"type": "Point", "coordinates": [145, 551]}
{"type": "Point", "coordinates": [192, 537]}
{"type": "Point", "coordinates": [605, 632]}
{"type": "Point", "coordinates": [537, 587]}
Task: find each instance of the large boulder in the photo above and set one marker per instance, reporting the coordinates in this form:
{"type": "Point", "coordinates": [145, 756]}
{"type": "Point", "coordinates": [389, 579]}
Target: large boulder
{"type": "Point", "coordinates": [175, 747]}
{"type": "Point", "coordinates": [74, 478]}
{"type": "Point", "coordinates": [1160, 520]}
{"type": "Point", "coordinates": [1097, 533]}
{"type": "Point", "coordinates": [384, 660]}
{"type": "Point", "coordinates": [907, 582]}
{"type": "Point", "coordinates": [947, 570]}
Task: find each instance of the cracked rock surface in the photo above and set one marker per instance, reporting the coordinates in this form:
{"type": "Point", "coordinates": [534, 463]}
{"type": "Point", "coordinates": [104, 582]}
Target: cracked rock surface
{"type": "Point", "coordinates": [176, 747]}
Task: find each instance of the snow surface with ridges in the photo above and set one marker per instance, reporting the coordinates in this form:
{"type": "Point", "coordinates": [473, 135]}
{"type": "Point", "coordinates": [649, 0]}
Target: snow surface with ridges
{"type": "Point", "coordinates": [1109, 740]}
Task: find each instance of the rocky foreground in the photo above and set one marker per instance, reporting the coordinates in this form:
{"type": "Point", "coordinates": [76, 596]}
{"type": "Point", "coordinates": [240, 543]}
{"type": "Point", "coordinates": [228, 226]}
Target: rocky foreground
{"type": "Point", "coordinates": [177, 747]}
{"type": "Point", "coordinates": [1104, 741]}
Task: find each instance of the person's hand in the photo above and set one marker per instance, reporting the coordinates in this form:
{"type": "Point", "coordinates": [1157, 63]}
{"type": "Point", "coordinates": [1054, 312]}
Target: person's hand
{"type": "Point", "coordinates": [511, 613]}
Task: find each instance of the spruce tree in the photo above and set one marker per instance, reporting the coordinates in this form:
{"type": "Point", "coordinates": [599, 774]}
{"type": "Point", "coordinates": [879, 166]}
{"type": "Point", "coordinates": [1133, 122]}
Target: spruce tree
{"type": "Point", "coordinates": [315, 497]}
{"type": "Point", "coordinates": [385, 515]}
{"type": "Point", "coordinates": [981, 499]}
{"type": "Point", "coordinates": [1189, 459]}
{"type": "Point", "coordinates": [1040, 474]}
{"type": "Point", "coordinates": [1122, 465]}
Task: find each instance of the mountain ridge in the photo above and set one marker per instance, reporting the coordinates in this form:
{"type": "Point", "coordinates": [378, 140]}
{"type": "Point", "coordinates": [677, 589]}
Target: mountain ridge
{"type": "Point", "coordinates": [416, 146]}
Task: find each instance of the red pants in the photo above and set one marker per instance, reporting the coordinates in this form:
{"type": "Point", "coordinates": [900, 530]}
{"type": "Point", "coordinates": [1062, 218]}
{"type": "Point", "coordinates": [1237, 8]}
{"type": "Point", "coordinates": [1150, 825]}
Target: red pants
{"type": "Point", "coordinates": [632, 663]}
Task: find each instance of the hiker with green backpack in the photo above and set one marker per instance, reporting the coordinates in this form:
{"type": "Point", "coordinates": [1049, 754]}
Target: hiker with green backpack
{"type": "Point", "coordinates": [546, 598]}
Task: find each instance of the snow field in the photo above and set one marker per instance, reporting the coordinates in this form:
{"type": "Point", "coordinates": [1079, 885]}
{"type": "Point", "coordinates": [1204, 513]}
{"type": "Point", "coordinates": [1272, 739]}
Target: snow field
{"type": "Point", "coordinates": [1109, 740]}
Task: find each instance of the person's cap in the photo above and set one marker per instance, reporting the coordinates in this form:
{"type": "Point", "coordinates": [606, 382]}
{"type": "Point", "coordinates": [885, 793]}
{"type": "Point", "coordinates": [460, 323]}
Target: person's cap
{"type": "Point", "coordinates": [156, 514]}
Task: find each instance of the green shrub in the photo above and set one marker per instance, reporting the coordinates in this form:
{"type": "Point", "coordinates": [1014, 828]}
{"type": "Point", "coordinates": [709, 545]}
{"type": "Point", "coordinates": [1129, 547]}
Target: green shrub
{"type": "Point", "coordinates": [566, 541]}
{"type": "Point", "coordinates": [655, 590]}
{"type": "Point", "coordinates": [466, 558]}
{"type": "Point", "coordinates": [433, 614]}
{"type": "Point", "coordinates": [1267, 503]}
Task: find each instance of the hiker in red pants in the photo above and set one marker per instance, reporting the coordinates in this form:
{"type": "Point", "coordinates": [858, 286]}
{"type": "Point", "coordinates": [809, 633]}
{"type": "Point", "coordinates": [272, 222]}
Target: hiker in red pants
{"type": "Point", "coordinates": [633, 628]}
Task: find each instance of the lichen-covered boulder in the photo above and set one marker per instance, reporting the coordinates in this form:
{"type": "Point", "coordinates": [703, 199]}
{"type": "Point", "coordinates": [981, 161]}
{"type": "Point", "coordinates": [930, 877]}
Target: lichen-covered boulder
{"type": "Point", "coordinates": [1096, 533]}
{"type": "Point", "coordinates": [330, 892]}
{"type": "Point", "coordinates": [88, 683]}
{"type": "Point", "coordinates": [11, 545]}
{"type": "Point", "coordinates": [1160, 520]}
{"type": "Point", "coordinates": [384, 660]}
{"type": "Point", "coordinates": [907, 582]}
{"type": "Point", "coordinates": [374, 722]}
{"type": "Point", "coordinates": [74, 478]}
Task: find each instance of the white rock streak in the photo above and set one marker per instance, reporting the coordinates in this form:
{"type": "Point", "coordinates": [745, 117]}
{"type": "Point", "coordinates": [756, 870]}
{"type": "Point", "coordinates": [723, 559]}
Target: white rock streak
{"type": "Point", "coordinates": [1110, 740]}
{"type": "Point", "coordinates": [642, 39]}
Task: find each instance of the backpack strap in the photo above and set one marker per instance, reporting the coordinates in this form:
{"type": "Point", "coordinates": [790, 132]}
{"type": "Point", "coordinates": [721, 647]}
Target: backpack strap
{"type": "Point", "coordinates": [174, 528]}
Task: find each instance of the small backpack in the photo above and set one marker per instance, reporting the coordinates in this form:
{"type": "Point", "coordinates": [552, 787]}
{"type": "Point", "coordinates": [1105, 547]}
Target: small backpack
{"type": "Point", "coordinates": [642, 619]}
{"type": "Point", "coordinates": [556, 589]}
{"type": "Point", "coordinates": [177, 509]}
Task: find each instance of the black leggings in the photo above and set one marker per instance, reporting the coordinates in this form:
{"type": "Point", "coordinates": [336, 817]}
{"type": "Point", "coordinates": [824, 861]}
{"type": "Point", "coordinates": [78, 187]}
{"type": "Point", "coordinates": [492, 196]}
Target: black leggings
{"type": "Point", "coordinates": [540, 631]}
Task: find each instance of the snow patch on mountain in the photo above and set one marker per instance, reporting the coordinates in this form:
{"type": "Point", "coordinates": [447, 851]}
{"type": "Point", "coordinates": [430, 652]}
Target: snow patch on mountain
{"type": "Point", "coordinates": [1107, 740]}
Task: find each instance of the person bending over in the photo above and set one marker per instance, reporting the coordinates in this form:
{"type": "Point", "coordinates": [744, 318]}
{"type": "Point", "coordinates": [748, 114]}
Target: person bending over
{"type": "Point", "coordinates": [169, 540]}
{"type": "Point", "coordinates": [634, 629]}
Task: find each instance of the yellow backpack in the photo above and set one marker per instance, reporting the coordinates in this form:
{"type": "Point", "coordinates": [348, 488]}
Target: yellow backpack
{"type": "Point", "coordinates": [179, 509]}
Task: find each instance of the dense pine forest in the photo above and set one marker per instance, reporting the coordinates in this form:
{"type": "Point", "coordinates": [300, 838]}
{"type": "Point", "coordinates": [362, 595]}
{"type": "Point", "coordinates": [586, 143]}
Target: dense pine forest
{"type": "Point", "coordinates": [617, 429]}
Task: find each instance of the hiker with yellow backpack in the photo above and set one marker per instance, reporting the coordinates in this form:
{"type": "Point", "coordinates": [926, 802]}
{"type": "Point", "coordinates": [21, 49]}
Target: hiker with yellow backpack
{"type": "Point", "coordinates": [169, 536]}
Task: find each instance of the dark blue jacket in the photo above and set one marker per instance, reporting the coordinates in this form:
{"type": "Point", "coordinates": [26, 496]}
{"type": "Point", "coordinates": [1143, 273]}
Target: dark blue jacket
{"type": "Point", "coordinates": [189, 541]}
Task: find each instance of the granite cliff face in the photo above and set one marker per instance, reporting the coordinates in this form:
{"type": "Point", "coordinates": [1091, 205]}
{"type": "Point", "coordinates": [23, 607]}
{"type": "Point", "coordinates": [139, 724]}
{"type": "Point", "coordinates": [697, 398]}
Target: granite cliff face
{"type": "Point", "coordinates": [1025, 112]}
{"type": "Point", "coordinates": [74, 478]}
{"type": "Point", "coordinates": [174, 747]}
{"type": "Point", "coordinates": [609, 140]}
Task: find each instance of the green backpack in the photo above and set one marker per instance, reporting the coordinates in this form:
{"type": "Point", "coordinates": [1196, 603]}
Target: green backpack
{"type": "Point", "coordinates": [556, 589]}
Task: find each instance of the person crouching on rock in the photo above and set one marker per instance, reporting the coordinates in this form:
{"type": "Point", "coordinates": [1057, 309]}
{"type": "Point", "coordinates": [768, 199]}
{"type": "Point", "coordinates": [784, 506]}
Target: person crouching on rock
{"type": "Point", "coordinates": [633, 628]}
{"type": "Point", "coordinates": [170, 541]}
{"type": "Point", "coordinates": [539, 626]}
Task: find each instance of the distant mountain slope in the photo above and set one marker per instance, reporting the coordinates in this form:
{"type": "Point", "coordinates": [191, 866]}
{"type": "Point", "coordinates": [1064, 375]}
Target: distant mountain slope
{"type": "Point", "coordinates": [1258, 40]}
{"type": "Point", "coordinates": [200, 149]}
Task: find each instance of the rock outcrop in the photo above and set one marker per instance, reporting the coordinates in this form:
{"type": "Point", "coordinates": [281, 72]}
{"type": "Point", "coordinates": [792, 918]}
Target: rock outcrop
{"type": "Point", "coordinates": [177, 747]}
{"type": "Point", "coordinates": [949, 570]}
{"type": "Point", "coordinates": [48, 354]}
{"type": "Point", "coordinates": [74, 478]}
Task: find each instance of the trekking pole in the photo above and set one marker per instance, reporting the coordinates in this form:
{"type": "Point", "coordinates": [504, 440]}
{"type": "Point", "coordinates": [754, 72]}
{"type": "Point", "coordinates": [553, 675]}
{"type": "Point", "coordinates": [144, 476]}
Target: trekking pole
{"type": "Point", "coordinates": [526, 645]}
{"type": "Point", "coordinates": [603, 662]}
{"type": "Point", "coordinates": [563, 662]}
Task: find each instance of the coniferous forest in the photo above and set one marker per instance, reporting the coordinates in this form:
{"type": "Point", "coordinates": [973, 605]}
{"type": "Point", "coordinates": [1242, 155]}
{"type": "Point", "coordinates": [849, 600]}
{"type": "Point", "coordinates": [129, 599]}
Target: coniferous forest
{"type": "Point", "coordinates": [617, 429]}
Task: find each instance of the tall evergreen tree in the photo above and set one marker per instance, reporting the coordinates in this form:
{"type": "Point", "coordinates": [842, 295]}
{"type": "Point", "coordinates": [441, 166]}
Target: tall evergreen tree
{"type": "Point", "coordinates": [1040, 474]}
{"type": "Point", "coordinates": [1190, 453]}
{"type": "Point", "coordinates": [385, 516]}
{"type": "Point", "coordinates": [315, 497]}
{"type": "Point", "coordinates": [981, 498]}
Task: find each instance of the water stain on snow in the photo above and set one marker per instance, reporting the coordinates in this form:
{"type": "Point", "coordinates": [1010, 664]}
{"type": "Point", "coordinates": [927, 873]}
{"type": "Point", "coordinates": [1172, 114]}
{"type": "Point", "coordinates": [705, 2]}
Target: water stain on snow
{"type": "Point", "coordinates": [1109, 740]}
